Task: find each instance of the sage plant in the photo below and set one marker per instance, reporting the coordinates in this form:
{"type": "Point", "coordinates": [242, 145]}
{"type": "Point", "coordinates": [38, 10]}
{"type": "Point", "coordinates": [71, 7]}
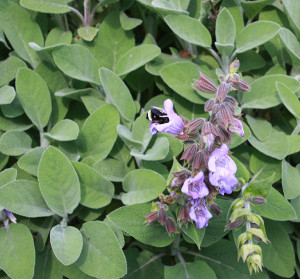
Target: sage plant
{"type": "Point", "coordinates": [208, 168]}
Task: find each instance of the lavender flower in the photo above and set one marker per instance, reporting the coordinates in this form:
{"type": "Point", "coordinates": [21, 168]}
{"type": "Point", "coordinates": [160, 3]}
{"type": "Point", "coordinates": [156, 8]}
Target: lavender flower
{"type": "Point", "coordinates": [166, 121]}
{"type": "Point", "coordinates": [222, 170]}
{"type": "Point", "coordinates": [195, 186]}
{"type": "Point", "coordinates": [236, 128]}
{"type": "Point", "coordinates": [200, 214]}
{"type": "Point", "coordinates": [10, 215]}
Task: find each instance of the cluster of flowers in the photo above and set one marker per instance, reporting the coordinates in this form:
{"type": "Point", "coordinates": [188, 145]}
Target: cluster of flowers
{"type": "Point", "coordinates": [209, 170]}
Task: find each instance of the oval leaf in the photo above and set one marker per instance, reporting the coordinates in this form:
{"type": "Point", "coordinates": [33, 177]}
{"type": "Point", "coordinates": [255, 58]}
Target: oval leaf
{"type": "Point", "coordinates": [24, 198]}
{"type": "Point", "coordinates": [225, 28]}
{"type": "Point", "coordinates": [290, 176]}
{"type": "Point", "coordinates": [66, 243]}
{"type": "Point", "coordinates": [142, 186]}
{"type": "Point", "coordinates": [7, 176]}
{"type": "Point", "coordinates": [101, 254]}
{"type": "Point", "coordinates": [7, 94]}
{"type": "Point", "coordinates": [47, 6]}
{"type": "Point", "coordinates": [189, 29]}
{"type": "Point", "coordinates": [59, 183]}
{"type": "Point", "coordinates": [64, 130]}
{"type": "Point", "coordinates": [29, 162]}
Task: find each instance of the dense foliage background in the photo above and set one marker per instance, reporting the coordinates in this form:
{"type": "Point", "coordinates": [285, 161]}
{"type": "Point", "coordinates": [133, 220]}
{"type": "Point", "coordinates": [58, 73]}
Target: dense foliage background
{"type": "Point", "coordinates": [79, 166]}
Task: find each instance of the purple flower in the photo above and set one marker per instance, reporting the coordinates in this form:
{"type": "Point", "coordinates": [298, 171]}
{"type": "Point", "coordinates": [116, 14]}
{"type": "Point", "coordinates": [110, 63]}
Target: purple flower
{"type": "Point", "coordinates": [195, 186]}
{"type": "Point", "coordinates": [222, 170]}
{"type": "Point", "coordinates": [166, 121]}
{"type": "Point", "coordinates": [10, 215]}
{"type": "Point", "coordinates": [236, 128]}
{"type": "Point", "coordinates": [200, 214]}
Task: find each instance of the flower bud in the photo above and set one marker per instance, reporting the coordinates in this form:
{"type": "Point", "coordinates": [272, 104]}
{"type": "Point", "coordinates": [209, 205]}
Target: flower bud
{"type": "Point", "coordinates": [162, 215]}
{"type": "Point", "coordinates": [170, 226]}
{"type": "Point", "coordinates": [234, 66]}
{"type": "Point", "coordinates": [184, 213]}
{"type": "Point", "coordinates": [190, 152]}
{"type": "Point", "coordinates": [236, 224]}
{"type": "Point", "coordinates": [254, 262]}
{"type": "Point", "coordinates": [209, 105]}
{"type": "Point", "coordinates": [205, 84]}
{"type": "Point", "coordinates": [195, 124]}
{"type": "Point", "coordinates": [223, 89]}
{"type": "Point", "coordinates": [216, 209]}
{"type": "Point", "coordinates": [152, 217]}
{"type": "Point", "coordinates": [257, 200]}
{"type": "Point", "coordinates": [231, 100]}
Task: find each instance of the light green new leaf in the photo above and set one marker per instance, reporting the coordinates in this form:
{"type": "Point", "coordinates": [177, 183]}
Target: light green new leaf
{"type": "Point", "coordinates": [58, 182]}
{"type": "Point", "coordinates": [275, 208]}
{"type": "Point", "coordinates": [276, 146]}
{"type": "Point", "coordinates": [225, 27]}
{"type": "Point", "coordinates": [101, 254]}
{"type": "Point", "coordinates": [47, 6]}
{"type": "Point", "coordinates": [7, 94]}
{"type": "Point", "coordinates": [15, 143]}
{"type": "Point", "coordinates": [7, 176]}
{"type": "Point", "coordinates": [87, 33]}
{"type": "Point", "coordinates": [64, 130]}
{"type": "Point", "coordinates": [261, 128]}
{"type": "Point", "coordinates": [24, 198]}
{"type": "Point", "coordinates": [142, 186]}
{"type": "Point", "coordinates": [20, 29]}
{"type": "Point", "coordinates": [96, 191]}
{"type": "Point", "coordinates": [77, 62]}
{"type": "Point", "coordinates": [131, 219]}
{"type": "Point", "coordinates": [263, 92]}
{"type": "Point", "coordinates": [189, 29]}
{"type": "Point", "coordinates": [129, 23]}
{"type": "Point", "coordinates": [112, 41]}
{"type": "Point", "coordinates": [118, 93]}
{"type": "Point", "coordinates": [17, 252]}
{"type": "Point", "coordinates": [135, 58]}
{"type": "Point", "coordinates": [34, 96]}
{"type": "Point", "coordinates": [194, 233]}
{"type": "Point", "coordinates": [158, 151]}
{"type": "Point", "coordinates": [278, 255]}
{"type": "Point", "coordinates": [66, 243]}
{"type": "Point", "coordinates": [58, 36]}
{"type": "Point", "coordinates": [291, 43]}
{"type": "Point", "coordinates": [99, 133]}
{"type": "Point", "coordinates": [290, 179]}
{"type": "Point", "coordinates": [289, 99]}
{"type": "Point", "coordinates": [180, 76]}
{"type": "Point", "coordinates": [259, 188]}
{"type": "Point", "coordinates": [255, 34]}
{"type": "Point", "coordinates": [29, 162]}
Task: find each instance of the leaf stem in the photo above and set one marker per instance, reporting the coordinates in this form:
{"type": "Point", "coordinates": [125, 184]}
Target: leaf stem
{"type": "Point", "coordinates": [95, 10]}
{"type": "Point", "coordinates": [217, 57]}
{"type": "Point", "coordinates": [77, 13]}
{"type": "Point", "coordinates": [43, 141]}
{"type": "Point", "coordinates": [184, 264]}
{"type": "Point", "coordinates": [87, 19]}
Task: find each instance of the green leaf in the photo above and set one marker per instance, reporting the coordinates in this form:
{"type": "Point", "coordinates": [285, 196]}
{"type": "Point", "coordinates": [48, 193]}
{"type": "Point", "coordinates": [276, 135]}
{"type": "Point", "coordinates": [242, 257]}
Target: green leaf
{"type": "Point", "coordinates": [289, 99]}
{"type": "Point", "coordinates": [291, 43]}
{"type": "Point", "coordinates": [87, 33]}
{"type": "Point", "coordinates": [34, 96]}
{"type": "Point", "coordinates": [16, 124]}
{"type": "Point", "coordinates": [99, 133]}
{"type": "Point", "coordinates": [131, 219]}
{"type": "Point", "coordinates": [7, 94]}
{"type": "Point", "coordinates": [142, 186]}
{"type": "Point", "coordinates": [250, 60]}
{"type": "Point", "coordinates": [167, 7]}
{"type": "Point", "coordinates": [96, 191]}
{"type": "Point", "coordinates": [263, 93]}
{"type": "Point", "coordinates": [66, 243]}
{"type": "Point", "coordinates": [290, 176]}
{"type": "Point", "coordinates": [255, 34]}
{"type": "Point", "coordinates": [252, 8]}
{"type": "Point", "coordinates": [58, 182]}
{"type": "Point", "coordinates": [18, 253]}
{"type": "Point", "coordinates": [128, 139]}
{"type": "Point", "coordinates": [276, 146]}
{"type": "Point", "coordinates": [140, 130]}
{"type": "Point", "coordinates": [276, 207]}
{"type": "Point", "coordinates": [101, 254]}
{"type": "Point", "coordinates": [135, 58]}
{"type": "Point", "coordinates": [260, 188]}
{"type": "Point", "coordinates": [189, 29]}
{"type": "Point", "coordinates": [225, 27]}
{"type": "Point", "coordinates": [112, 41]}
{"type": "Point", "coordinates": [9, 68]}
{"type": "Point", "coordinates": [194, 233]}
{"type": "Point", "coordinates": [14, 109]}
{"type": "Point", "coordinates": [118, 93]}
{"type": "Point", "coordinates": [15, 143]}
{"type": "Point", "coordinates": [129, 23]}
{"type": "Point", "coordinates": [175, 167]}
{"type": "Point", "coordinates": [24, 198]}
{"type": "Point", "coordinates": [296, 205]}
{"type": "Point", "coordinates": [261, 128]}
{"type": "Point", "coordinates": [294, 144]}
{"type": "Point", "coordinates": [265, 165]}
{"type": "Point", "coordinates": [47, 6]}
{"type": "Point", "coordinates": [179, 76]}
{"type": "Point", "coordinates": [20, 30]}
{"type": "Point", "coordinates": [292, 9]}
{"type": "Point", "coordinates": [29, 162]}
{"type": "Point", "coordinates": [58, 36]}
{"type": "Point", "coordinates": [236, 13]}
{"type": "Point", "coordinates": [7, 176]}
{"type": "Point", "coordinates": [84, 67]}
{"type": "Point", "coordinates": [197, 269]}
{"type": "Point", "coordinates": [64, 130]}
{"type": "Point", "coordinates": [278, 255]}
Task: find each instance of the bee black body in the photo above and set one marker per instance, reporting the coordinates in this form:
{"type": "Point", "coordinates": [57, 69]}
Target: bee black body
{"type": "Point", "coordinates": [156, 115]}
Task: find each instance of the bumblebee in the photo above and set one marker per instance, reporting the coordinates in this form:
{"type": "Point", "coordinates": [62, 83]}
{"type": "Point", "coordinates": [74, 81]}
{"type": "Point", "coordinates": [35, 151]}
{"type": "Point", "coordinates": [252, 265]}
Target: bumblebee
{"type": "Point", "coordinates": [157, 115]}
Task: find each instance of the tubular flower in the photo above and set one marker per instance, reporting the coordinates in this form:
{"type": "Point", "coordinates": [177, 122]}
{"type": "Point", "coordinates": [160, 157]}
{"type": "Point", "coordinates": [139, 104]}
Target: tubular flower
{"type": "Point", "coordinates": [222, 170]}
{"type": "Point", "coordinates": [236, 128]}
{"type": "Point", "coordinates": [200, 214]}
{"type": "Point", "coordinates": [195, 186]}
{"type": "Point", "coordinates": [165, 120]}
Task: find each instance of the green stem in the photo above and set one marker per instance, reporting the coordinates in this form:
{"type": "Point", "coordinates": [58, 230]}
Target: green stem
{"type": "Point", "coordinates": [64, 221]}
{"type": "Point", "coordinates": [43, 141]}
{"type": "Point", "coordinates": [75, 11]}
{"type": "Point", "coordinates": [87, 18]}
{"type": "Point", "coordinates": [217, 57]}
{"type": "Point", "coordinates": [184, 264]}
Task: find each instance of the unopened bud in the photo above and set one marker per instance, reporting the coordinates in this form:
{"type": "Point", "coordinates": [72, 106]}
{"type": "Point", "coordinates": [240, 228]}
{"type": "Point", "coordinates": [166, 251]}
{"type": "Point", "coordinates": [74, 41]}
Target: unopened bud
{"type": "Point", "coordinates": [170, 226]}
{"type": "Point", "coordinates": [236, 224]}
{"type": "Point", "coordinates": [257, 200]}
{"type": "Point", "coordinates": [216, 209]}
{"type": "Point", "coordinates": [254, 263]}
{"type": "Point", "coordinates": [234, 66]}
{"type": "Point", "coordinates": [162, 216]}
{"type": "Point", "coordinates": [195, 124]}
{"type": "Point", "coordinates": [205, 84]}
{"type": "Point", "coordinates": [190, 152]}
{"type": "Point", "coordinates": [223, 89]}
{"type": "Point", "coordinates": [231, 100]}
{"type": "Point", "coordinates": [152, 217]}
{"type": "Point", "coordinates": [209, 105]}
